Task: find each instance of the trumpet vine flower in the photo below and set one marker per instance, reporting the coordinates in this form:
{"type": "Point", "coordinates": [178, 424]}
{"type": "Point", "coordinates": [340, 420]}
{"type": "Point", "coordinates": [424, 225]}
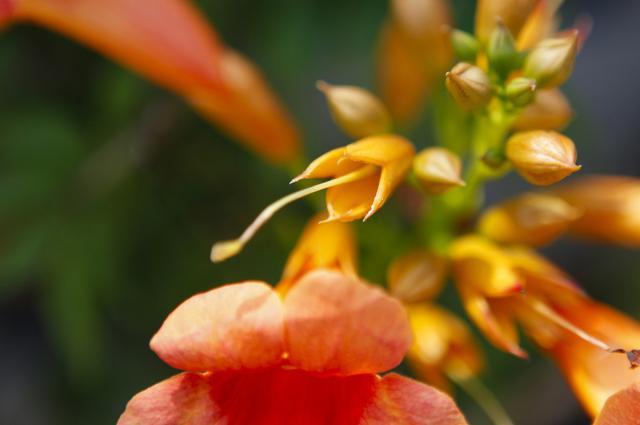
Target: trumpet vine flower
{"type": "Point", "coordinates": [250, 357]}
{"type": "Point", "coordinates": [363, 176]}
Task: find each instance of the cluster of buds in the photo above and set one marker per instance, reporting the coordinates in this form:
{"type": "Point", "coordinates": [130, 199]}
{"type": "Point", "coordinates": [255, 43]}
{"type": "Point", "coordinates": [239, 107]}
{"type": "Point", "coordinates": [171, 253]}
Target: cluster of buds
{"type": "Point", "coordinates": [507, 85]}
{"type": "Point", "coordinates": [510, 71]}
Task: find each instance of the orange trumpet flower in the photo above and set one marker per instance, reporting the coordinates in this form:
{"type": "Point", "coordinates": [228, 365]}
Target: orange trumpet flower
{"type": "Point", "coordinates": [251, 357]}
{"type": "Point", "coordinates": [172, 44]}
{"type": "Point", "coordinates": [594, 374]}
{"type": "Point", "coordinates": [585, 338]}
{"type": "Point", "coordinates": [363, 176]}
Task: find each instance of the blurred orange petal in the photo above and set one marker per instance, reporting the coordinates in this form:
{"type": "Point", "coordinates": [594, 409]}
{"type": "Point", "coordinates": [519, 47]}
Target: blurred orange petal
{"type": "Point", "coordinates": [322, 245]}
{"type": "Point", "coordinates": [172, 44]}
{"type": "Point", "coordinates": [540, 24]}
{"type": "Point", "coordinates": [232, 327]}
{"type": "Point", "coordinates": [621, 408]}
{"type": "Point", "coordinates": [403, 80]}
{"type": "Point", "coordinates": [595, 374]}
{"type": "Point", "coordinates": [513, 13]}
{"type": "Point", "coordinates": [610, 205]}
{"type": "Point", "coordinates": [400, 400]}
{"type": "Point", "coordinates": [338, 325]}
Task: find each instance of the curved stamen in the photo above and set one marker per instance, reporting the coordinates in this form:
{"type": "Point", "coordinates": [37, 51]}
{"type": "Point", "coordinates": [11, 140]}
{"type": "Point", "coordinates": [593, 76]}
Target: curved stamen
{"type": "Point", "coordinates": [226, 249]}
{"type": "Point", "coordinates": [633, 356]}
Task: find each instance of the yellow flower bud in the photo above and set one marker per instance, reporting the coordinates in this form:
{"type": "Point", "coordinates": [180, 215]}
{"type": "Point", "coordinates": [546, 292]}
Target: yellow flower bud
{"type": "Point", "coordinates": [532, 219]}
{"type": "Point", "coordinates": [322, 245]}
{"type": "Point", "coordinates": [550, 110]}
{"type": "Point", "coordinates": [357, 111]}
{"type": "Point", "coordinates": [437, 170]}
{"type": "Point", "coordinates": [443, 346]}
{"type": "Point", "coordinates": [550, 63]}
{"type": "Point", "coordinates": [480, 264]}
{"type": "Point", "coordinates": [469, 85]}
{"type": "Point", "coordinates": [417, 276]}
{"type": "Point", "coordinates": [611, 206]}
{"type": "Point", "coordinates": [542, 157]}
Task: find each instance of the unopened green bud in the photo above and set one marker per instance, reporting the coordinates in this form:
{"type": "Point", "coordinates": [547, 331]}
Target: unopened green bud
{"type": "Point", "coordinates": [465, 45]}
{"type": "Point", "coordinates": [521, 91]}
{"type": "Point", "coordinates": [501, 51]}
{"type": "Point", "coordinates": [550, 63]}
{"type": "Point", "coordinates": [469, 85]}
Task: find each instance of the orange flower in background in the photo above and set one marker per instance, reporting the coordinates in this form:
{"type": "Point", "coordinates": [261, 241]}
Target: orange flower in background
{"type": "Point", "coordinates": [610, 205]}
{"type": "Point", "coordinates": [251, 357]}
{"type": "Point", "coordinates": [586, 339]}
{"type": "Point", "coordinates": [593, 373]}
{"type": "Point", "coordinates": [172, 44]}
{"type": "Point", "coordinates": [513, 13]}
{"type": "Point", "coordinates": [415, 49]}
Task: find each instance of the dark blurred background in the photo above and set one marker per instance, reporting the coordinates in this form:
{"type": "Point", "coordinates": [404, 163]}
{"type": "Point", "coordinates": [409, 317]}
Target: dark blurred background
{"type": "Point", "coordinates": [112, 191]}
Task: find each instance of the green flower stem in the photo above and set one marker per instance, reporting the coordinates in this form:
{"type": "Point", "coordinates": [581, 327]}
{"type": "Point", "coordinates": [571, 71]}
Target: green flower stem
{"type": "Point", "coordinates": [452, 211]}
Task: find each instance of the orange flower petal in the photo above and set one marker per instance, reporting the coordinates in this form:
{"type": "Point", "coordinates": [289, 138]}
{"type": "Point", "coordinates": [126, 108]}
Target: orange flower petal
{"type": "Point", "coordinates": [181, 399]}
{"type": "Point", "coordinates": [400, 400]}
{"type": "Point", "coordinates": [232, 327]}
{"type": "Point", "coordinates": [622, 408]}
{"type": "Point", "coordinates": [338, 325]}
{"type": "Point", "coordinates": [173, 45]}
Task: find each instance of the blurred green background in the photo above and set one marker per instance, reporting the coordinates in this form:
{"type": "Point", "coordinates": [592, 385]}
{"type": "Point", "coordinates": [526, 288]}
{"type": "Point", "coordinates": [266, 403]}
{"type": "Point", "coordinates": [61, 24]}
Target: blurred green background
{"type": "Point", "coordinates": [112, 191]}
